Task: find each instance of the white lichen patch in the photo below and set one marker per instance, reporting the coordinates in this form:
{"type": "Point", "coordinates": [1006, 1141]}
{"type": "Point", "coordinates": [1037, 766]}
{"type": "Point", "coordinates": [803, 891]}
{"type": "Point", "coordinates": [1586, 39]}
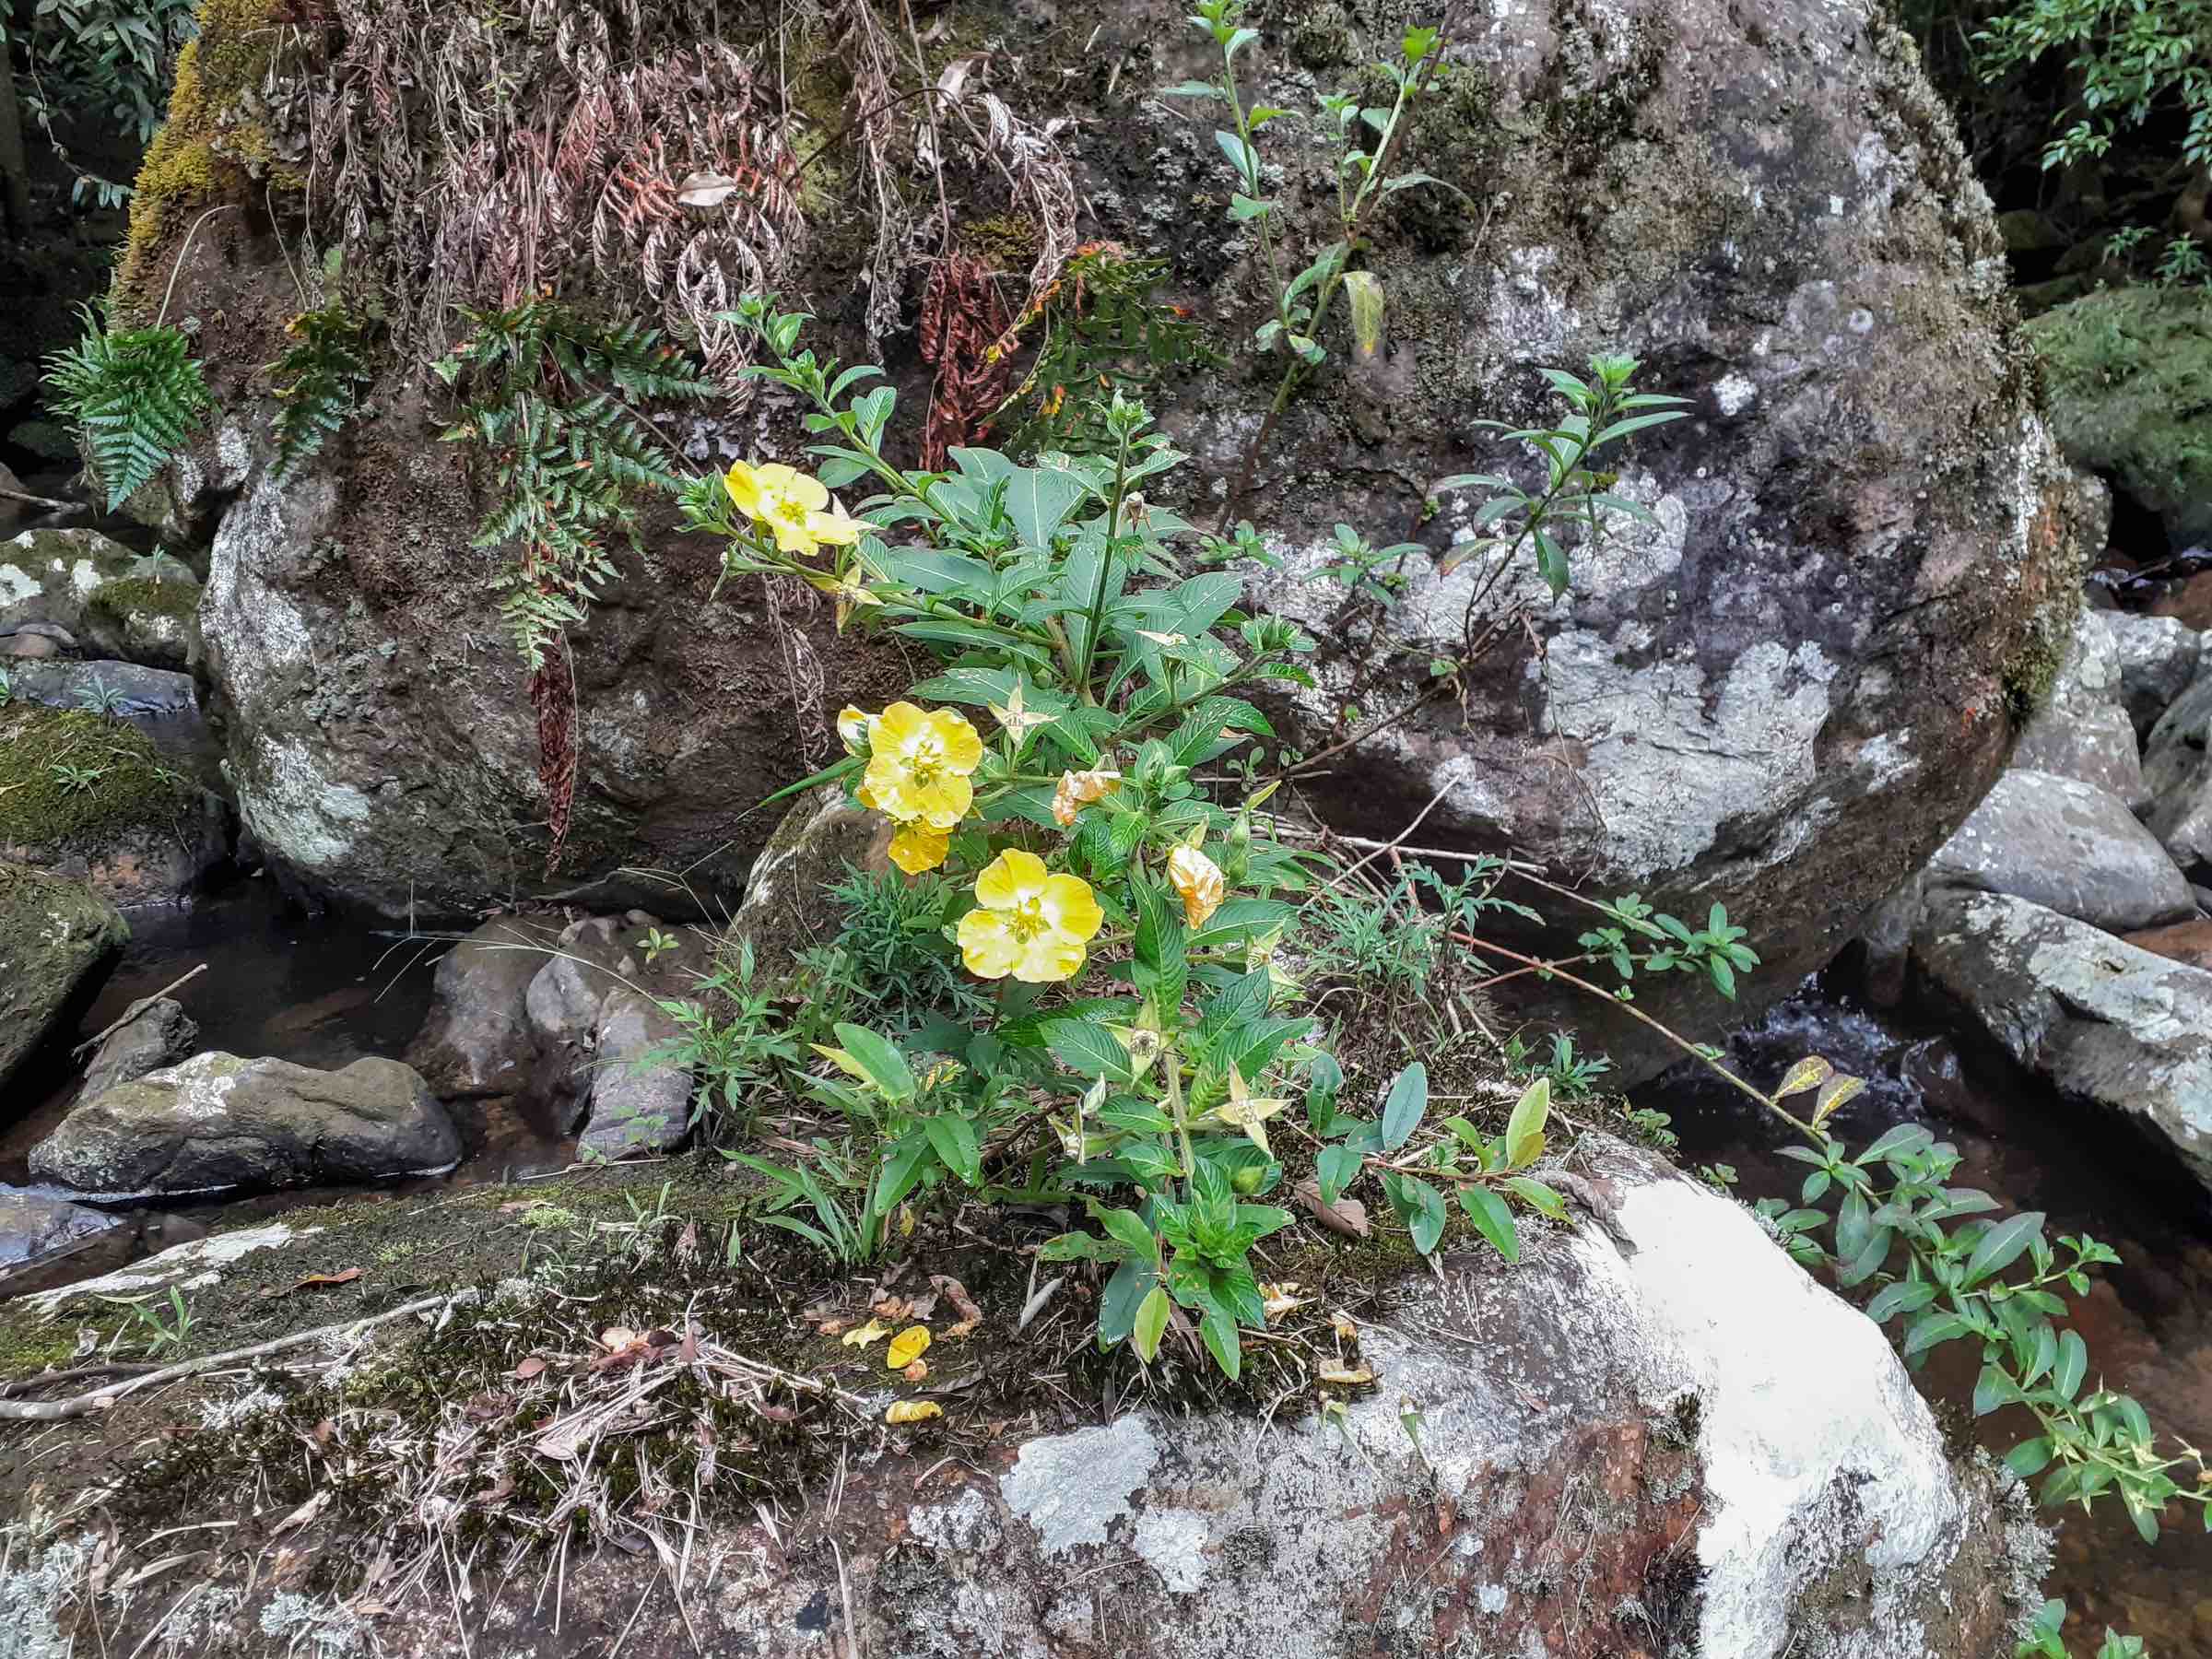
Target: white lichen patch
{"type": "Point", "coordinates": [17, 584]}
{"type": "Point", "coordinates": [1172, 1543]}
{"type": "Point", "coordinates": [200, 1262]}
{"type": "Point", "coordinates": [1071, 1488]}
{"type": "Point", "coordinates": [287, 801]}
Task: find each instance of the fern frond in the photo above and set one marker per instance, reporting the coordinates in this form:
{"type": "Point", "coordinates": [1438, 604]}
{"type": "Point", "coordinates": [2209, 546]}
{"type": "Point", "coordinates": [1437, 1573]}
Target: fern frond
{"type": "Point", "coordinates": [134, 394]}
{"type": "Point", "coordinates": [317, 381]}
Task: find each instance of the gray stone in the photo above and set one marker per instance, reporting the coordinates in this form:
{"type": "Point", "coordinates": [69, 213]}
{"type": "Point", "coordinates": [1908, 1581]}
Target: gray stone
{"type": "Point", "coordinates": [36, 1225]}
{"type": "Point", "coordinates": [637, 1105]}
{"type": "Point", "coordinates": [2066, 845]}
{"type": "Point", "coordinates": [139, 608]}
{"type": "Point", "coordinates": [133, 690]}
{"type": "Point", "coordinates": [2083, 730]}
{"type": "Point", "coordinates": [595, 960]}
{"type": "Point", "coordinates": [2177, 769]}
{"type": "Point", "coordinates": [55, 935]}
{"type": "Point", "coordinates": [478, 1039]}
{"type": "Point", "coordinates": [158, 1033]}
{"type": "Point", "coordinates": [2106, 1024]}
{"type": "Point", "coordinates": [217, 1121]}
{"type": "Point", "coordinates": [2158, 658]}
{"type": "Point", "coordinates": [783, 911]}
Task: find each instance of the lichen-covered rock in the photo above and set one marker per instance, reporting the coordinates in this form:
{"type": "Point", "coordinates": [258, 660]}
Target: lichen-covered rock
{"type": "Point", "coordinates": [476, 1040]}
{"type": "Point", "coordinates": [640, 1102]}
{"type": "Point", "coordinates": [596, 961]}
{"type": "Point", "coordinates": [88, 796]}
{"type": "Point", "coordinates": [784, 912]}
{"type": "Point", "coordinates": [2084, 729]}
{"type": "Point", "coordinates": [2106, 1024]}
{"type": "Point", "coordinates": [140, 608]}
{"type": "Point", "coordinates": [34, 1225]}
{"type": "Point", "coordinates": [217, 1121]}
{"type": "Point", "coordinates": [2158, 658]}
{"type": "Point", "coordinates": [2127, 369]}
{"type": "Point", "coordinates": [2177, 769]}
{"type": "Point", "coordinates": [2068, 846]}
{"type": "Point", "coordinates": [156, 1033]}
{"type": "Point", "coordinates": [55, 933]}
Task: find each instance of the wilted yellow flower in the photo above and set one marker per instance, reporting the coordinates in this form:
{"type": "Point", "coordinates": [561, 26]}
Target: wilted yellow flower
{"type": "Point", "coordinates": [1032, 924]}
{"type": "Point", "coordinates": [919, 764]}
{"type": "Point", "coordinates": [1200, 882]}
{"type": "Point", "coordinates": [795, 507]}
{"type": "Point", "coordinates": [1249, 1113]}
{"type": "Point", "coordinates": [856, 730]}
{"type": "Point", "coordinates": [1077, 790]}
{"type": "Point", "coordinates": [1014, 718]}
{"type": "Point", "coordinates": [917, 848]}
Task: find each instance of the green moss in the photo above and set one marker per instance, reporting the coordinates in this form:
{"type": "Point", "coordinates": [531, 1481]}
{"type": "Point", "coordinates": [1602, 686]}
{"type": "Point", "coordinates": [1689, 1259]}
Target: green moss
{"type": "Point", "coordinates": [2126, 373]}
{"type": "Point", "coordinates": [144, 596]}
{"type": "Point", "coordinates": [40, 808]}
{"type": "Point", "coordinates": [208, 146]}
{"type": "Point", "coordinates": [1003, 241]}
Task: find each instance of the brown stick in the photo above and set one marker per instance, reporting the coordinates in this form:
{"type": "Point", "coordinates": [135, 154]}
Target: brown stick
{"type": "Point", "coordinates": [131, 1013]}
{"type": "Point", "coordinates": [80, 1375]}
{"type": "Point", "coordinates": [36, 500]}
{"type": "Point", "coordinates": [54, 1411]}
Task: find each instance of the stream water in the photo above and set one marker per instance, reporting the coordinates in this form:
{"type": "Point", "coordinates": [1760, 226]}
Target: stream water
{"type": "Point", "coordinates": [2148, 1324]}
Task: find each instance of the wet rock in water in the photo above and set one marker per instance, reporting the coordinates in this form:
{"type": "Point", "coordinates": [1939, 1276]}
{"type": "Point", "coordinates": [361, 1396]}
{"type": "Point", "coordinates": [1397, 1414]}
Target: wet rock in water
{"type": "Point", "coordinates": [142, 608]}
{"type": "Point", "coordinates": [784, 912]}
{"type": "Point", "coordinates": [2083, 730]}
{"type": "Point", "coordinates": [2158, 658]}
{"type": "Point", "coordinates": [55, 935]}
{"type": "Point", "coordinates": [90, 796]}
{"type": "Point", "coordinates": [2066, 845]}
{"type": "Point", "coordinates": [33, 643]}
{"type": "Point", "coordinates": [2187, 942]}
{"type": "Point", "coordinates": [2125, 371]}
{"type": "Point", "coordinates": [157, 1033]}
{"type": "Point", "coordinates": [34, 1225]}
{"type": "Point", "coordinates": [477, 1040]}
{"type": "Point", "coordinates": [2104, 1023]}
{"type": "Point", "coordinates": [219, 1122]}
{"type": "Point", "coordinates": [636, 1105]}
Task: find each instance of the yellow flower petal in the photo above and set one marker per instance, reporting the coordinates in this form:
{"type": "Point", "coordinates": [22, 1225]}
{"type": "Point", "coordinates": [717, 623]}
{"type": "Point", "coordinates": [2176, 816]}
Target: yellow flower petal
{"type": "Point", "coordinates": [959, 742]}
{"type": "Point", "coordinates": [744, 486]}
{"type": "Point", "coordinates": [1006, 880]}
{"type": "Point", "coordinates": [917, 848]}
{"type": "Point", "coordinates": [867, 1336]}
{"type": "Point", "coordinates": [1070, 906]}
{"type": "Point", "coordinates": [1048, 958]}
{"type": "Point", "coordinates": [987, 945]}
{"type": "Point", "coordinates": [906, 1348]}
{"type": "Point", "coordinates": [809, 493]}
{"type": "Point", "coordinates": [1200, 882]}
{"type": "Point", "coordinates": [912, 1411]}
{"type": "Point", "coordinates": [852, 729]}
{"type": "Point", "coordinates": [834, 527]}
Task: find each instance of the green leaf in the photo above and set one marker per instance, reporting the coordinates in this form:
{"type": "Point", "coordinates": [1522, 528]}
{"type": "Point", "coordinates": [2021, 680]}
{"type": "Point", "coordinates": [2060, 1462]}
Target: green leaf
{"type": "Point", "coordinates": [1809, 1072]}
{"type": "Point", "coordinates": [2031, 1457]}
{"type": "Point", "coordinates": [1537, 1197]}
{"type": "Point", "coordinates": [1993, 1389]}
{"type": "Point", "coordinates": [1241, 206]}
{"type": "Point", "coordinates": [954, 1139]}
{"type": "Point", "coordinates": [1402, 1110]}
{"type": "Point", "coordinates": [1087, 1049]}
{"type": "Point", "coordinates": [1128, 1229]}
{"type": "Point", "coordinates": [1151, 1324]}
{"type": "Point", "coordinates": [1118, 1303]}
{"type": "Point", "coordinates": [1421, 1207]}
{"type": "Point", "coordinates": [1907, 1295]}
{"type": "Point", "coordinates": [1219, 1331]}
{"type": "Point", "coordinates": [1492, 1220]}
{"type": "Point", "coordinates": [1334, 1170]}
{"type": "Point", "coordinates": [1242, 158]}
{"type": "Point", "coordinates": [2072, 1366]}
{"type": "Point", "coordinates": [2002, 1245]}
{"type": "Point", "coordinates": [886, 1067]}
{"type": "Point", "coordinates": [1933, 1327]}
{"type": "Point", "coordinates": [1363, 294]}
{"type": "Point", "coordinates": [1525, 1129]}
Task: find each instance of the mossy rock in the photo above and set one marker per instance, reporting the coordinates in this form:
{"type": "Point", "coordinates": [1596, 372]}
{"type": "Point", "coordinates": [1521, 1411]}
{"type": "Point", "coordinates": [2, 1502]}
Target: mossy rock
{"type": "Point", "coordinates": [91, 797]}
{"type": "Point", "coordinates": [137, 609]}
{"type": "Point", "coordinates": [55, 934]}
{"type": "Point", "coordinates": [2128, 372]}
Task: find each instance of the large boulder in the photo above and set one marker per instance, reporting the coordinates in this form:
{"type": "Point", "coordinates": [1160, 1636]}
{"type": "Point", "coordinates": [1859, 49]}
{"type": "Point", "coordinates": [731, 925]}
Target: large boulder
{"type": "Point", "coordinates": [89, 796]}
{"type": "Point", "coordinates": [2127, 369]}
{"type": "Point", "coordinates": [2106, 1024]}
{"type": "Point", "coordinates": [1782, 697]}
{"type": "Point", "coordinates": [819, 839]}
{"type": "Point", "coordinates": [55, 934]}
{"type": "Point", "coordinates": [139, 607]}
{"type": "Point", "coordinates": [2066, 845]}
{"type": "Point", "coordinates": [217, 1121]}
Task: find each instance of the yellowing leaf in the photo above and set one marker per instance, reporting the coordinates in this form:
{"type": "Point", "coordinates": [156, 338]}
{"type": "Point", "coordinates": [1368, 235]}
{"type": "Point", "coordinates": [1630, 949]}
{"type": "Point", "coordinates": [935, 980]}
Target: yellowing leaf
{"type": "Point", "coordinates": [1809, 1072]}
{"type": "Point", "coordinates": [867, 1336]}
{"type": "Point", "coordinates": [1278, 1300]}
{"type": "Point", "coordinates": [909, 1346]}
{"type": "Point", "coordinates": [1363, 293]}
{"type": "Point", "coordinates": [1346, 1377]}
{"type": "Point", "coordinates": [912, 1411]}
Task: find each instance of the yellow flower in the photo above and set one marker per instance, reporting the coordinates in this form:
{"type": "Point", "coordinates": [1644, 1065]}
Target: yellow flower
{"type": "Point", "coordinates": [918, 766]}
{"type": "Point", "coordinates": [1033, 925]}
{"type": "Point", "coordinates": [792, 505]}
{"type": "Point", "coordinates": [917, 848]}
{"type": "Point", "coordinates": [1242, 1110]}
{"type": "Point", "coordinates": [1199, 880]}
{"type": "Point", "coordinates": [1079, 789]}
{"type": "Point", "coordinates": [1015, 719]}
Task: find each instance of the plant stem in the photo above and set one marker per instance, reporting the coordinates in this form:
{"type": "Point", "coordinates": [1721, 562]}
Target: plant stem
{"type": "Point", "coordinates": [1096, 614]}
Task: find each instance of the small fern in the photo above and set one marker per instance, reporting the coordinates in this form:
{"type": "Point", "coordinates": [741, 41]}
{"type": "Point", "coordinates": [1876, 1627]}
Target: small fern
{"type": "Point", "coordinates": [134, 394]}
{"type": "Point", "coordinates": [317, 381]}
{"type": "Point", "coordinates": [569, 453]}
